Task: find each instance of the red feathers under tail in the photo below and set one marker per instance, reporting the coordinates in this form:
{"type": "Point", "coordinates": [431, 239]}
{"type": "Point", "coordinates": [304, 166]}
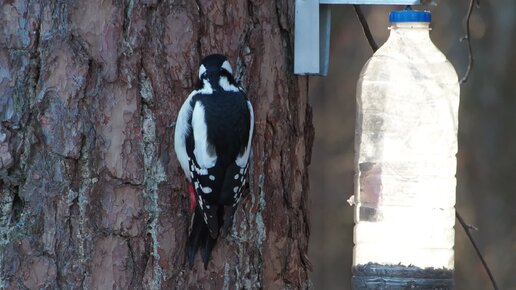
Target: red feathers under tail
{"type": "Point", "coordinates": [193, 201]}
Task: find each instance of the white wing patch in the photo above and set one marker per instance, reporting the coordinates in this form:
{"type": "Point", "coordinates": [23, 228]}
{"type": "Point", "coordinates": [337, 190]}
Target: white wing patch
{"type": "Point", "coordinates": [241, 160]}
{"type": "Point", "coordinates": [205, 157]}
{"type": "Point", "coordinates": [183, 128]}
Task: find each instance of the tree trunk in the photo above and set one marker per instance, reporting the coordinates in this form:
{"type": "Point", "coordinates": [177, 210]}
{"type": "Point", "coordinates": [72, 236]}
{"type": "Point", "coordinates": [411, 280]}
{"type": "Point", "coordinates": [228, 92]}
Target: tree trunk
{"type": "Point", "coordinates": [92, 195]}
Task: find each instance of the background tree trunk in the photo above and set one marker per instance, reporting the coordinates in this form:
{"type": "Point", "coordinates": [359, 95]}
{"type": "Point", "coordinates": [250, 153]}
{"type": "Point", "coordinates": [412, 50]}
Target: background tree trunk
{"type": "Point", "coordinates": [92, 195]}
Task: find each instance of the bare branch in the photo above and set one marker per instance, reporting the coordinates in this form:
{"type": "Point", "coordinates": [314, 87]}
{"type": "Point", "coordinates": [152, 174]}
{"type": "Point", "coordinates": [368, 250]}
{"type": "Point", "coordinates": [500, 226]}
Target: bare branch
{"type": "Point", "coordinates": [468, 40]}
{"type": "Point", "coordinates": [467, 229]}
{"type": "Point", "coordinates": [365, 27]}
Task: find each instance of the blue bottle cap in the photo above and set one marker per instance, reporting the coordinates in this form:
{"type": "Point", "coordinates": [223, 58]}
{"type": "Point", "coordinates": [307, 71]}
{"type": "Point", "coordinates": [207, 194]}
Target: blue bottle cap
{"type": "Point", "coordinates": [410, 16]}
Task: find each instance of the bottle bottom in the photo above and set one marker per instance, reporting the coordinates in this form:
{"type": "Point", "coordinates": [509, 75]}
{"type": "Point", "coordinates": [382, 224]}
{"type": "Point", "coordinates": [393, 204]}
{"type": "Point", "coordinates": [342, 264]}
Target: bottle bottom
{"type": "Point", "coordinates": [373, 276]}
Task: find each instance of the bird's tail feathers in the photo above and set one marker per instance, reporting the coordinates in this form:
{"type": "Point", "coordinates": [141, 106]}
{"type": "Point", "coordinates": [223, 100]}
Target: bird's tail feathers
{"type": "Point", "coordinates": [199, 238]}
{"type": "Point", "coordinates": [213, 221]}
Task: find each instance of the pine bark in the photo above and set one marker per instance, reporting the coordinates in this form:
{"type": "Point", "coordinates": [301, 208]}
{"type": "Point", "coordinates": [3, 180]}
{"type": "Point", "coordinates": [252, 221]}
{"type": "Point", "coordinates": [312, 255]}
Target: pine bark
{"type": "Point", "coordinates": [91, 193]}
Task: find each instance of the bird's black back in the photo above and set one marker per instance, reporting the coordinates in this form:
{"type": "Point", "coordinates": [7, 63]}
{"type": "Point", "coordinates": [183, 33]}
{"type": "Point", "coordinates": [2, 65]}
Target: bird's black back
{"type": "Point", "coordinates": [227, 118]}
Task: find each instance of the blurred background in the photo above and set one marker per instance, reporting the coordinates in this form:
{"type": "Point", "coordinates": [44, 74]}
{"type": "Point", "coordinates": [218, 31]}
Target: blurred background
{"type": "Point", "coordinates": [486, 173]}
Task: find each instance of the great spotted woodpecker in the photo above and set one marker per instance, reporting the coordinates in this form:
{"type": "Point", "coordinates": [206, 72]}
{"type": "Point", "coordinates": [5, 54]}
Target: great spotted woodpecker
{"type": "Point", "coordinates": [213, 136]}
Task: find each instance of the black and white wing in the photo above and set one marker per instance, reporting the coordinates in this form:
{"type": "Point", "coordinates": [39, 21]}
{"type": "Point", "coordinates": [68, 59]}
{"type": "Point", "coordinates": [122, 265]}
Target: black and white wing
{"type": "Point", "coordinates": [219, 157]}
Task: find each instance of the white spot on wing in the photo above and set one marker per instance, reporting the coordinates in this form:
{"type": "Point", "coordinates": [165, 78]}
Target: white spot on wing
{"type": "Point", "coordinates": [200, 132]}
{"type": "Point", "coordinates": [212, 177]}
{"type": "Point", "coordinates": [206, 189]}
{"type": "Point", "coordinates": [236, 176]}
{"type": "Point", "coordinates": [201, 171]}
{"type": "Point", "coordinates": [235, 189]}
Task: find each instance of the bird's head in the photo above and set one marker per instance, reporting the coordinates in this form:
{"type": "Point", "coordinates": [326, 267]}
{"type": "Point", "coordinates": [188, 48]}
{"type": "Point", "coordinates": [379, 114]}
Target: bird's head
{"type": "Point", "coordinates": [215, 65]}
{"type": "Point", "coordinates": [216, 71]}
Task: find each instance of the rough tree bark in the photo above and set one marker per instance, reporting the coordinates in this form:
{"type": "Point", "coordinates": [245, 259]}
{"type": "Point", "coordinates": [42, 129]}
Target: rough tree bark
{"type": "Point", "coordinates": [92, 196]}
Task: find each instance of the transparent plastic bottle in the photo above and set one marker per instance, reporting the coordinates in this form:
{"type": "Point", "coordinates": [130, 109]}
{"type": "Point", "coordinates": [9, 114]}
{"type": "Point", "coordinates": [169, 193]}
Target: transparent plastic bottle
{"type": "Point", "coordinates": [406, 142]}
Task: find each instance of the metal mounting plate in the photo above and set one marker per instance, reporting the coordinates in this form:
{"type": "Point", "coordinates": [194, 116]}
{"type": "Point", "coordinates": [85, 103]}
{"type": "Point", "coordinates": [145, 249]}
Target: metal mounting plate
{"type": "Point", "coordinates": [312, 31]}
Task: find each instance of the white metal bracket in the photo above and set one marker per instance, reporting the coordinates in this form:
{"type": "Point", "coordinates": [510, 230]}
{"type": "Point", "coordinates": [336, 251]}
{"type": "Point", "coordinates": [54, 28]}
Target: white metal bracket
{"type": "Point", "coordinates": [312, 31]}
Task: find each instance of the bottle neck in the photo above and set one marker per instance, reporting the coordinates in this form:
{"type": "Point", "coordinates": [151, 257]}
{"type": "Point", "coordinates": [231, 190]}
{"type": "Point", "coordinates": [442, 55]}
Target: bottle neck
{"type": "Point", "coordinates": [416, 30]}
{"type": "Point", "coordinates": [410, 25]}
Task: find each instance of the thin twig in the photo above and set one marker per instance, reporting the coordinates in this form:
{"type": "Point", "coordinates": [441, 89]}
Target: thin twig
{"type": "Point", "coordinates": [467, 38]}
{"type": "Point", "coordinates": [467, 228]}
{"type": "Point", "coordinates": [464, 79]}
{"type": "Point", "coordinates": [365, 27]}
